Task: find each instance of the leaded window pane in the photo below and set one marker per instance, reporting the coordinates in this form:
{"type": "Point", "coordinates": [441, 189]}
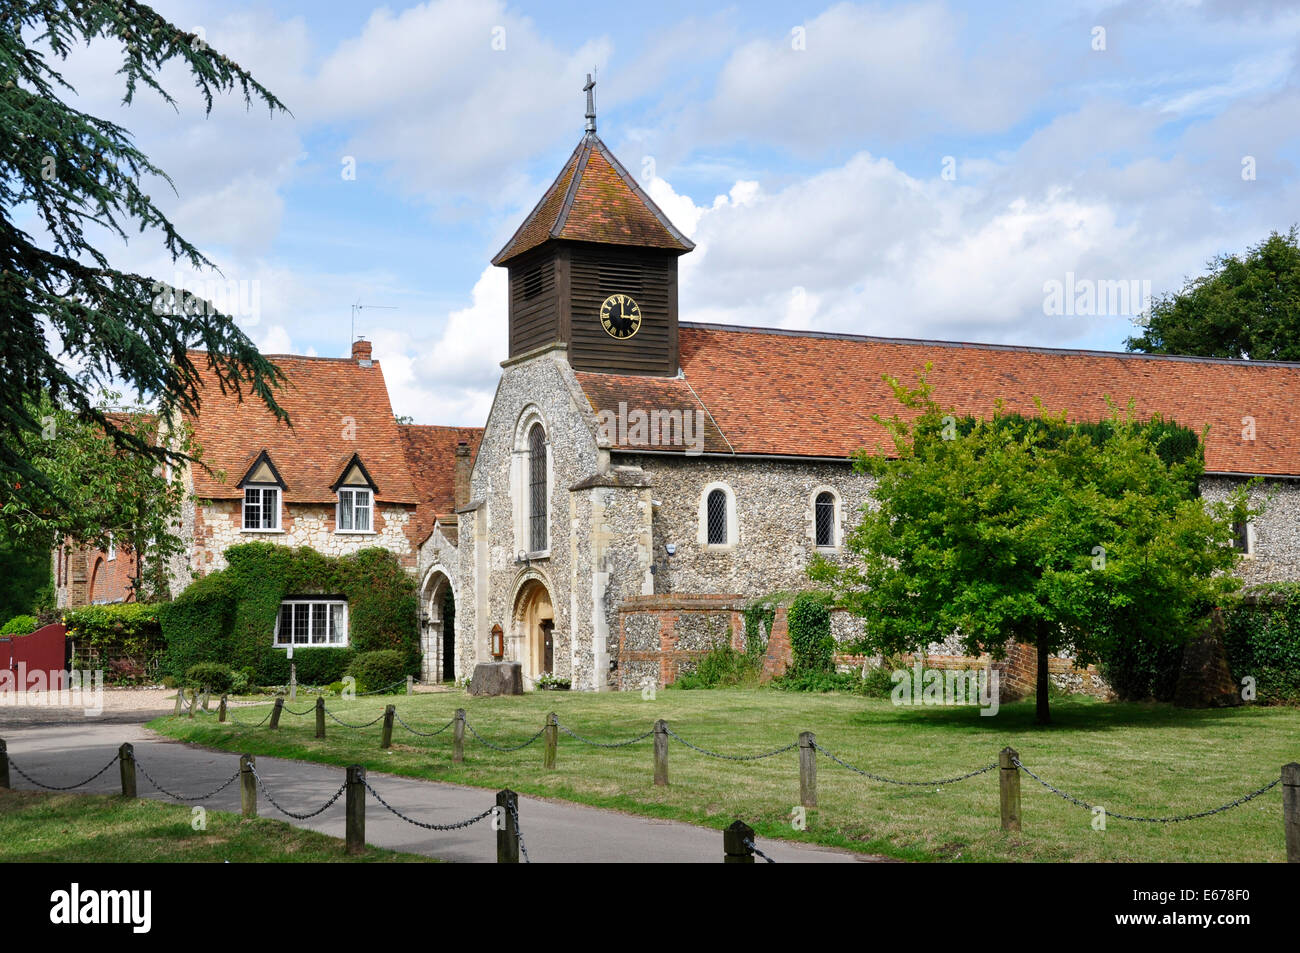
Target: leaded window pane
{"type": "Point", "coordinates": [825, 513]}
{"type": "Point", "coordinates": [345, 509]}
{"type": "Point", "coordinates": [537, 488]}
{"type": "Point", "coordinates": [717, 517]}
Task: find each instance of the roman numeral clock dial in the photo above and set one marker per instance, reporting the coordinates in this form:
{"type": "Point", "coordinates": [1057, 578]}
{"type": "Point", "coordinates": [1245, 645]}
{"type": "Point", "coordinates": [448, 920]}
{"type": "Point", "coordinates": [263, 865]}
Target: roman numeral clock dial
{"type": "Point", "coordinates": [620, 316]}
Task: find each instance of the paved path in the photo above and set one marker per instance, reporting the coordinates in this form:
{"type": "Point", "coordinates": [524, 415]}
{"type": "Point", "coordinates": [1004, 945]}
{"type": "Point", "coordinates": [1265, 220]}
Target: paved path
{"type": "Point", "coordinates": [69, 749]}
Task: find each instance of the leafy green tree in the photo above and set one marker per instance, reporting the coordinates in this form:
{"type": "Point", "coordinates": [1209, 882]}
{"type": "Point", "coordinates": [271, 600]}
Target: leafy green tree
{"type": "Point", "coordinates": [73, 324]}
{"type": "Point", "coordinates": [94, 492]}
{"type": "Point", "coordinates": [25, 577]}
{"type": "Point", "coordinates": [1065, 537]}
{"type": "Point", "coordinates": [1246, 307]}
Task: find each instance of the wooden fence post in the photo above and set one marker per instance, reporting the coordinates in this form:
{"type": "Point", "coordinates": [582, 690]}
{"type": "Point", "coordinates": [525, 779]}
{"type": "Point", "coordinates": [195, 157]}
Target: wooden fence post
{"type": "Point", "coordinates": [1009, 789]}
{"type": "Point", "coordinates": [194, 701]}
{"type": "Point", "coordinates": [458, 737]}
{"type": "Point", "coordinates": [275, 712]}
{"type": "Point", "coordinates": [661, 752]}
{"type": "Point", "coordinates": [1291, 810]}
{"type": "Point", "coordinates": [180, 699]}
{"type": "Point", "coordinates": [387, 740]}
{"type": "Point", "coordinates": [807, 769]}
{"type": "Point", "coordinates": [4, 765]}
{"type": "Point", "coordinates": [734, 848]}
{"type": "Point", "coordinates": [507, 832]}
{"type": "Point", "coordinates": [247, 786]}
{"type": "Point", "coordinates": [356, 809]}
{"type": "Point", "coordinates": [221, 710]}
{"type": "Point", "coordinates": [126, 762]}
{"type": "Point", "coordinates": [552, 737]}
{"type": "Point", "coordinates": [410, 684]}
{"type": "Point", "coordinates": [320, 716]}
{"type": "Point", "coordinates": [207, 697]}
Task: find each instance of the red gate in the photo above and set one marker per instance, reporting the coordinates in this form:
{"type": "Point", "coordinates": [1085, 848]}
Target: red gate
{"type": "Point", "coordinates": [44, 652]}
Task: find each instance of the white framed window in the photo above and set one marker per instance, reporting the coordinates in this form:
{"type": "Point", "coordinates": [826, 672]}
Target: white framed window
{"type": "Point", "coordinates": [261, 508]}
{"type": "Point", "coordinates": [717, 517]}
{"type": "Point", "coordinates": [355, 511]}
{"type": "Point", "coordinates": [112, 548]}
{"type": "Point", "coordinates": [312, 622]}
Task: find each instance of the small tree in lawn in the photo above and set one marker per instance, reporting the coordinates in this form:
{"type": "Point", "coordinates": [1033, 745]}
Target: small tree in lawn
{"type": "Point", "coordinates": [1065, 537]}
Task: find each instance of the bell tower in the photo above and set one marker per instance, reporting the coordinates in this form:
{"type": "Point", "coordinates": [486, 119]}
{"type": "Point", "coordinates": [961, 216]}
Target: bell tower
{"type": "Point", "coordinates": [594, 266]}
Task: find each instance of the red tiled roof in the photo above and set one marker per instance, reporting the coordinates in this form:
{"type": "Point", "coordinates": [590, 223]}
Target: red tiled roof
{"type": "Point", "coordinates": [594, 199]}
{"type": "Point", "coordinates": [802, 394]}
{"type": "Point", "coordinates": [431, 457]}
{"type": "Point", "coordinates": [320, 395]}
{"type": "Point", "coordinates": [671, 394]}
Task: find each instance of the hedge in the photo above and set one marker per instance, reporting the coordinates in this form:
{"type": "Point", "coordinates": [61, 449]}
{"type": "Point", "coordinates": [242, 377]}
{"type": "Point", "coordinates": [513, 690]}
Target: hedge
{"type": "Point", "coordinates": [229, 616]}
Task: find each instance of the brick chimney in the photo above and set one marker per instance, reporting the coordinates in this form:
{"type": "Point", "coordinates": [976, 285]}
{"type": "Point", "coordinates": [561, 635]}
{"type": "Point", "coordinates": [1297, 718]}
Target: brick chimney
{"type": "Point", "coordinates": [464, 464]}
{"type": "Point", "coordinates": [361, 352]}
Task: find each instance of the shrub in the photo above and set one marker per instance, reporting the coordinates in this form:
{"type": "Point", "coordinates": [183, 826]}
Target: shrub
{"type": "Point", "coordinates": [20, 625]}
{"type": "Point", "coordinates": [1262, 642]}
{"type": "Point", "coordinates": [721, 667]}
{"type": "Point", "coordinates": [210, 675]}
{"type": "Point", "coordinates": [811, 642]}
{"type": "Point", "coordinates": [241, 682]}
{"type": "Point", "coordinates": [376, 671]}
{"type": "Point", "coordinates": [812, 680]}
{"type": "Point", "coordinates": [878, 680]}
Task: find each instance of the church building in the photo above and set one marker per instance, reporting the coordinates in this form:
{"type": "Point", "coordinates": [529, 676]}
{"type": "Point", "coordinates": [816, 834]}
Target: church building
{"type": "Point", "coordinates": [636, 466]}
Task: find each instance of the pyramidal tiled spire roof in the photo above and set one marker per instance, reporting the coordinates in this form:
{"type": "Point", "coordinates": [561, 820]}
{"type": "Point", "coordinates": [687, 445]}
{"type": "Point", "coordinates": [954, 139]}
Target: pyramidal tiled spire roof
{"type": "Point", "coordinates": [594, 199]}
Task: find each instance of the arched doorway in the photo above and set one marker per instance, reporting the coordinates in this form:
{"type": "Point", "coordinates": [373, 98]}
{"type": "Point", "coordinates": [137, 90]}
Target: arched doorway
{"type": "Point", "coordinates": [534, 633]}
{"type": "Point", "coordinates": [438, 628]}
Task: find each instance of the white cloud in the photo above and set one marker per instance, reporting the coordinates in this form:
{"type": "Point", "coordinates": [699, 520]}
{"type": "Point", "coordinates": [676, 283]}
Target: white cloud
{"type": "Point", "coordinates": [427, 95]}
{"type": "Point", "coordinates": [450, 378]}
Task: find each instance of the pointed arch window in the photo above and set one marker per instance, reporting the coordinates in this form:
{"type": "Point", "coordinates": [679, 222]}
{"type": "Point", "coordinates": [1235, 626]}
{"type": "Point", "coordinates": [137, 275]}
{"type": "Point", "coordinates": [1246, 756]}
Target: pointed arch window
{"type": "Point", "coordinates": [537, 489]}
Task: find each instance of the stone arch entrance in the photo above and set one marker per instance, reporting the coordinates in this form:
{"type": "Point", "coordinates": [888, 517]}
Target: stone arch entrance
{"type": "Point", "coordinates": [534, 630]}
{"type": "Point", "coordinates": [438, 628]}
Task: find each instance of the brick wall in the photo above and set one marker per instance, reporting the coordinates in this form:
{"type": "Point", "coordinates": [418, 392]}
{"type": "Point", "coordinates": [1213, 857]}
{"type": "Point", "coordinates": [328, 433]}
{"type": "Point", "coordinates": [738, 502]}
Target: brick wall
{"type": "Point", "coordinates": [662, 636]}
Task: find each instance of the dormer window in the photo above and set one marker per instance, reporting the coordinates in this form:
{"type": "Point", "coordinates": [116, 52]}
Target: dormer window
{"type": "Point", "coordinates": [354, 510]}
{"type": "Point", "coordinates": [263, 489]}
{"type": "Point", "coordinates": [261, 508]}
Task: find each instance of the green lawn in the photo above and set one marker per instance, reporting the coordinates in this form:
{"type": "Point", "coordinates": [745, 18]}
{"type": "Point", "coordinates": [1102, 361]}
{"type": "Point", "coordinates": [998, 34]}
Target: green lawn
{"type": "Point", "coordinates": [99, 828]}
{"type": "Point", "coordinates": [1130, 758]}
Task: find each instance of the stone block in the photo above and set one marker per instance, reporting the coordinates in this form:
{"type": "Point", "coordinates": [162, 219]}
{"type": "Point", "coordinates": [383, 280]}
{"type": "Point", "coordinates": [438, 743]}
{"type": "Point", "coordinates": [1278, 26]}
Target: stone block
{"type": "Point", "coordinates": [497, 678]}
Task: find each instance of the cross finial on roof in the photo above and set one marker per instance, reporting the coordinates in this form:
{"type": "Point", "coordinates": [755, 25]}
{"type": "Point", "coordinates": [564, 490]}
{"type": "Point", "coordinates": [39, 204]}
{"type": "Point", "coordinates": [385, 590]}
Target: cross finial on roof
{"type": "Point", "coordinates": [591, 104]}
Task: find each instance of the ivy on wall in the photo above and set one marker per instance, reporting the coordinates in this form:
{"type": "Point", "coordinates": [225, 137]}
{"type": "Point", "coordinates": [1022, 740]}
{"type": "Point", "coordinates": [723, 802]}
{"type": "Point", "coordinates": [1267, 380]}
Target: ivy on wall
{"type": "Point", "coordinates": [1262, 641]}
{"type": "Point", "coordinates": [229, 616]}
{"type": "Point", "coordinates": [811, 642]}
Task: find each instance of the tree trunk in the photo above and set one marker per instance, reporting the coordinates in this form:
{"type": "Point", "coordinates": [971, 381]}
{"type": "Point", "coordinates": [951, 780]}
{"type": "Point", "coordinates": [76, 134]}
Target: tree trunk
{"type": "Point", "coordinates": [1042, 715]}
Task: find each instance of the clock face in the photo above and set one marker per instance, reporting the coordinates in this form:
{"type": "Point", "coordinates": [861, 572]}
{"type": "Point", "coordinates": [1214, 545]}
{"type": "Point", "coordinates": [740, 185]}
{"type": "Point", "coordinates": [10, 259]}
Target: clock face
{"type": "Point", "coordinates": [620, 316]}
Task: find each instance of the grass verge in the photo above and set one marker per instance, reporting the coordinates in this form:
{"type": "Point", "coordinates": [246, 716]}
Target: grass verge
{"type": "Point", "coordinates": [37, 827]}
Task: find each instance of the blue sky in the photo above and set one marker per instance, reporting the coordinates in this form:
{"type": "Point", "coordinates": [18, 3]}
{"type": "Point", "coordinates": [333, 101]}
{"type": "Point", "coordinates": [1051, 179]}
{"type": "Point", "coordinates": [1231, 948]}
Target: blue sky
{"type": "Point", "coordinates": [907, 169]}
